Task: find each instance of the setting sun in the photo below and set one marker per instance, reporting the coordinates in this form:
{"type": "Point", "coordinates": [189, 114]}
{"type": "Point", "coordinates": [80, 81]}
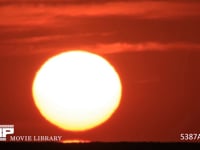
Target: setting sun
{"type": "Point", "coordinates": [77, 90]}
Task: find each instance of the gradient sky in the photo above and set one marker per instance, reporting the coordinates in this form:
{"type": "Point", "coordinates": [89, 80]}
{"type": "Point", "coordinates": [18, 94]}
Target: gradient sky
{"type": "Point", "coordinates": [154, 45]}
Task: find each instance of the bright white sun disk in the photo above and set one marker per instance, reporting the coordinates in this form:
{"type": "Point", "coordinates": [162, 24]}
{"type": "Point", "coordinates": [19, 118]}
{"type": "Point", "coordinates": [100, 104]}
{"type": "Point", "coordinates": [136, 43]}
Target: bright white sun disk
{"type": "Point", "coordinates": [76, 90]}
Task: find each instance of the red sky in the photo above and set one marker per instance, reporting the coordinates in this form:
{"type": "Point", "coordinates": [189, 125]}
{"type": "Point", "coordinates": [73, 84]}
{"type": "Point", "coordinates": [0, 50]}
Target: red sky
{"type": "Point", "coordinates": [154, 45]}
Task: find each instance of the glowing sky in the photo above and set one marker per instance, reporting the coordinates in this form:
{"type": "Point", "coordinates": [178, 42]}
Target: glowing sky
{"type": "Point", "coordinates": [154, 45]}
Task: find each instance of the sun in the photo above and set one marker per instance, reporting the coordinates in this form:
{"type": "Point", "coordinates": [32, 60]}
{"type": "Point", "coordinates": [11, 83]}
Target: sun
{"type": "Point", "coordinates": [77, 90]}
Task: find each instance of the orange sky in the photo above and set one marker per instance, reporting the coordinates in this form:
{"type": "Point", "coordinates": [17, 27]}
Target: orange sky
{"type": "Point", "coordinates": [154, 45]}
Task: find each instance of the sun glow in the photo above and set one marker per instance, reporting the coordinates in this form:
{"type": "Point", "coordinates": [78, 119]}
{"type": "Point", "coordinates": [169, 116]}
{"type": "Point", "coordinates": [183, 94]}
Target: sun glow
{"type": "Point", "coordinates": [76, 90]}
{"type": "Point", "coordinates": [76, 141]}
